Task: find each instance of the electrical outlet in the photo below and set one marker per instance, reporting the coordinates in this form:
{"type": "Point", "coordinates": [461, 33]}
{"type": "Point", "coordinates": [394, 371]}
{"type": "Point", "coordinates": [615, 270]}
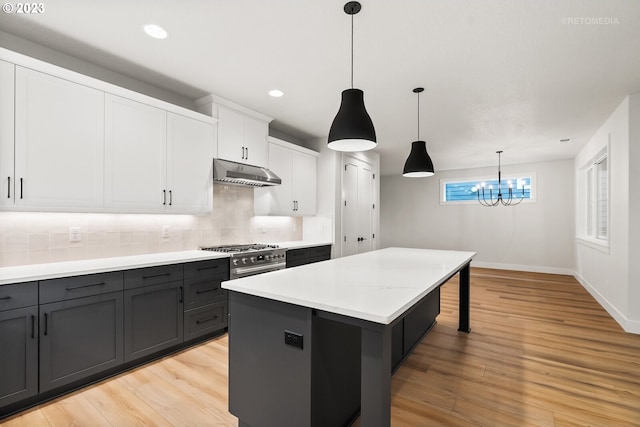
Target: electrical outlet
{"type": "Point", "coordinates": [164, 233]}
{"type": "Point", "coordinates": [293, 339]}
{"type": "Point", "coordinates": [74, 234]}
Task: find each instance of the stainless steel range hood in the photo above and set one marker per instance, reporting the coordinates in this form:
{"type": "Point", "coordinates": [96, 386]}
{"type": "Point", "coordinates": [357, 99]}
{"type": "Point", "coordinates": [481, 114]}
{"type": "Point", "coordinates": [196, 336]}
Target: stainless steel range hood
{"type": "Point", "coordinates": [228, 172]}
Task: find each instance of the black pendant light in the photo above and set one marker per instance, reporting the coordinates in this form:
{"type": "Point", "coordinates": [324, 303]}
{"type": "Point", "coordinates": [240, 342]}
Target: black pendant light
{"type": "Point", "coordinates": [418, 164]}
{"type": "Point", "coordinates": [352, 128]}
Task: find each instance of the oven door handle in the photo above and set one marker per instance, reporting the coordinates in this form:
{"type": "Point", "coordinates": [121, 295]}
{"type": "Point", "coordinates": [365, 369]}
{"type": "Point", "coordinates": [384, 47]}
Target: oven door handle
{"type": "Point", "coordinates": [239, 272]}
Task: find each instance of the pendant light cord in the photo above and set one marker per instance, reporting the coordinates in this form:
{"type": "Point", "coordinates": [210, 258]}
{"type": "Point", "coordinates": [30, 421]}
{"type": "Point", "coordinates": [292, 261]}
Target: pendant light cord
{"type": "Point", "coordinates": [351, 51]}
{"type": "Point", "coordinates": [418, 116]}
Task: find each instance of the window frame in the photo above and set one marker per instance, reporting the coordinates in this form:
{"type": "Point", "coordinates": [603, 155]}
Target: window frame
{"type": "Point", "coordinates": [591, 171]}
{"type": "Point", "coordinates": [533, 182]}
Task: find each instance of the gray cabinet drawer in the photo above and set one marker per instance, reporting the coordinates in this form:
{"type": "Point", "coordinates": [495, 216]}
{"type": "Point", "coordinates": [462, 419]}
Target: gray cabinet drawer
{"type": "Point", "coordinates": [18, 295]}
{"type": "Point", "coordinates": [152, 276]}
{"type": "Point", "coordinates": [67, 288]}
{"type": "Point", "coordinates": [206, 269]}
{"type": "Point", "coordinates": [320, 253]}
{"type": "Point", "coordinates": [204, 320]}
{"type": "Point", "coordinates": [199, 292]}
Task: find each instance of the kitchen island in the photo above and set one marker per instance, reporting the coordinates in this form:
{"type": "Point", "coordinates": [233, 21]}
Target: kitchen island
{"type": "Point", "coordinates": [312, 345]}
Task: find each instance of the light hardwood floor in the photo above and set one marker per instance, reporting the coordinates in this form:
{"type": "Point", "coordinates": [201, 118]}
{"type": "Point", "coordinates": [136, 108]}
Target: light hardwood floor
{"type": "Point", "coordinates": [541, 352]}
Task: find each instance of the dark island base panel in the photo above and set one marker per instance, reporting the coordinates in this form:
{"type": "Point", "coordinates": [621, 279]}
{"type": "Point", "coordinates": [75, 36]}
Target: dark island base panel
{"type": "Point", "coordinates": [13, 409]}
{"type": "Point", "coordinates": [317, 373]}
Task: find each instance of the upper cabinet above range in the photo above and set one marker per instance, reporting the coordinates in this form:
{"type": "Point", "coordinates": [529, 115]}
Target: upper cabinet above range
{"type": "Point", "coordinates": [242, 133]}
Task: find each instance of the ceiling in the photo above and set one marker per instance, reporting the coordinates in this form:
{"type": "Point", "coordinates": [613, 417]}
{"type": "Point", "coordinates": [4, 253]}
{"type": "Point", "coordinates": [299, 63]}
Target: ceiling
{"type": "Point", "coordinates": [514, 75]}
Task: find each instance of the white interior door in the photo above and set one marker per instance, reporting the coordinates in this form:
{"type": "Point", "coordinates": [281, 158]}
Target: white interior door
{"type": "Point", "coordinates": [357, 206]}
{"type": "Point", "coordinates": [365, 208]}
{"type": "Point", "coordinates": [350, 209]}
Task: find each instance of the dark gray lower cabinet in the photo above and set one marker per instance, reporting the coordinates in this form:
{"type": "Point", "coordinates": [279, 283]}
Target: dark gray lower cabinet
{"type": "Point", "coordinates": [18, 354]}
{"type": "Point", "coordinates": [153, 319]}
{"type": "Point", "coordinates": [79, 338]}
{"type": "Point", "coordinates": [302, 256]}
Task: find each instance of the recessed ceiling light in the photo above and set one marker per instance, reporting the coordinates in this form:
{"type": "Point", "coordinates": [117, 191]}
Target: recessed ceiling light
{"type": "Point", "coordinates": [155, 31]}
{"type": "Point", "coordinates": [276, 93]}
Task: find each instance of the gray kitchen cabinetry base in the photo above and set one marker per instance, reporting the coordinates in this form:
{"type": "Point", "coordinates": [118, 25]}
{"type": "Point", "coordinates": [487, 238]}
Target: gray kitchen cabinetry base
{"type": "Point", "coordinates": [19, 364]}
{"type": "Point", "coordinates": [153, 319]}
{"type": "Point", "coordinates": [78, 338]}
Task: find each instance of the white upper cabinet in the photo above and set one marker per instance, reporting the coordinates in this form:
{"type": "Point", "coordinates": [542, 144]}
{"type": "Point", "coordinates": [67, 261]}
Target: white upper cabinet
{"type": "Point", "coordinates": [297, 168]}
{"type": "Point", "coordinates": [242, 138]}
{"type": "Point", "coordinates": [156, 161]}
{"type": "Point", "coordinates": [59, 143]}
{"type": "Point", "coordinates": [190, 153]}
{"type": "Point", "coordinates": [7, 178]}
{"type": "Point", "coordinates": [135, 156]}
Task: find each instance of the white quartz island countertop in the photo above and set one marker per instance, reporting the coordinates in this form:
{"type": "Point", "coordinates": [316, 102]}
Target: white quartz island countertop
{"type": "Point", "coordinates": [31, 272]}
{"type": "Point", "coordinates": [376, 286]}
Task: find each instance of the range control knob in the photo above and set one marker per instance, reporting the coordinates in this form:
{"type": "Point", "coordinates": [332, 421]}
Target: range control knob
{"type": "Point", "coordinates": [244, 260]}
{"type": "Point", "coordinates": [267, 257]}
{"type": "Point", "coordinates": [235, 262]}
{"type": "Point", "coordinates": [253, 259]}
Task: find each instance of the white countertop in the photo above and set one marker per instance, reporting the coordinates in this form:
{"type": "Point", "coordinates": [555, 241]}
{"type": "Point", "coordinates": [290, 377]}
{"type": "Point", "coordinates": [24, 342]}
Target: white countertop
{"type": "Point", "coordinates": [27, 273]}
{"type": "Point", "coordinates": [377, 286]}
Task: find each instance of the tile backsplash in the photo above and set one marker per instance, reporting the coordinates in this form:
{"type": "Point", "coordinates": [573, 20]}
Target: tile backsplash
{"type": "Point", "coordinates": [36, 237]}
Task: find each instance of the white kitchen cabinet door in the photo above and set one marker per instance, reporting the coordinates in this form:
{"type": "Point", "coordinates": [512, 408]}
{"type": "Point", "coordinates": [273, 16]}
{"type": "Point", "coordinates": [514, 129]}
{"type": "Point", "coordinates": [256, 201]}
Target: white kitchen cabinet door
{"type": "Point", "coordinates": [357, 207]}
{"type": "Point", "coordinates": [135, 156]}
{"type": "Point", "coordinates": [190, 152]}
{"type": "Point", "coordinates": [59, 143]}
{"type": "Point", "coordinates": [296, 196]}
{"type": "Point", "coordinates": [255, 141]}
{"type": "Point", "coordinates": [7, 180]}
{"type": "Point", "coordinates": [241, 138]}
{"type": "Point", "coordinates": [304, 183]}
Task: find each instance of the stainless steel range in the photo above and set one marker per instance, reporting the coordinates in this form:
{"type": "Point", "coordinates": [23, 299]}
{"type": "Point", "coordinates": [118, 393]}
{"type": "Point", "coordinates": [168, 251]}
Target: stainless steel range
{"type": "Point", "coordinates": [247, 260]}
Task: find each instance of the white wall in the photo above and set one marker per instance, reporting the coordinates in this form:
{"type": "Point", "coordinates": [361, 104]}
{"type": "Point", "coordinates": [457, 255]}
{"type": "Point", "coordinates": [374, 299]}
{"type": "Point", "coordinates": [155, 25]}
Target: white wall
{"type": "Point", "coordinates": [535, 236]}
{"type": "Point", "coordinates": [634, 214]}
{"type": "Point", "coordinates": [612, 274]}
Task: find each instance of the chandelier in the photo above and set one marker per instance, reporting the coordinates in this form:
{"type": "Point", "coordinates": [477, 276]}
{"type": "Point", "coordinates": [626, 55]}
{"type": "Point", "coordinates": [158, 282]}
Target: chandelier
{"type": "Point", "coordinates": [505, 200]}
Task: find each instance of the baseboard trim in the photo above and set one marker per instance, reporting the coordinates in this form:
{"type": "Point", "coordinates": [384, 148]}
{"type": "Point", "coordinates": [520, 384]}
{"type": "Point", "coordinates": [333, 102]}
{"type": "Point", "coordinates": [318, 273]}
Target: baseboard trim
{"type": "Point", "coordinates": [628, 325]}
{"type": "Point", "coordinates": [521, 267]}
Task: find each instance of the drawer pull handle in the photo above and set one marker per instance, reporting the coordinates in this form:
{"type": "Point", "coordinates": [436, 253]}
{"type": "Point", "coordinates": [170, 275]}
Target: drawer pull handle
{"type": "Point", "coordinates": [73, 288]}
{"type": "Point", "coordinates": [206, 319]}
{"type": "Point", "coordinates": [181, 294]}
{"type": "Point", "coordinates": [46, 324]}
{"type": "Point", "coordinates": [4, 298]}
{"type": "Point", "coordinates": [9, 187]}
{"type": "Point", "coordinates": [204, 291]}
{"type": "Point", "coordinates": [155, 275]}
{"type": "Point", "coordinates": [33, 326]}
{"type": "Point", "coordinates": [21, 188]}
{"type": "Point", "coordinates": [208, 268]}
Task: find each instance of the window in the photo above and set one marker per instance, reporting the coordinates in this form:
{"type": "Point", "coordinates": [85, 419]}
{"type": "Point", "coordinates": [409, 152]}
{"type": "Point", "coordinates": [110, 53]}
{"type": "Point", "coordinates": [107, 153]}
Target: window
{"type": "Point", "coordinates": [598, 198]}
{"type": "Point", "coordinates": [468, 191]}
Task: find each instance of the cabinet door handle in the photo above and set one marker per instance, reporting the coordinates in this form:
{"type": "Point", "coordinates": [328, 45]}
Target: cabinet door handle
{"type": "Point", "coordinates": [73, 288]}
{"type": "Point", "coordinates": [21, 188]}
{"type": "Point", "coordinates": [155, 275]}
{"type": "Point", "coordinates": [4, 298]}
{"type": "Point", "coordinates": [208, 268]}
{"type": "Point", "coordinates": [8, 187]}
{"type": "Point", "coordinates": [164, 197]}
{"type": "Point", "coordinates": [181, 293]}
{"type": "Point", "coordinates": [296, 205]}
{"type": "Point", "coordinates": [170, 197]}
{"type": "Point", "coordinates": [206, 319]}
{"type": "Point", "coordinates": [242, 153]}
{"type": "Point", "coordinates": [33, 326]}
{"type": "Point", "coordinates": [204, 291]}
{"type": "Point", "coordinates": [247, 158]}
{"type": "Point", "coordinates": [46, 324]}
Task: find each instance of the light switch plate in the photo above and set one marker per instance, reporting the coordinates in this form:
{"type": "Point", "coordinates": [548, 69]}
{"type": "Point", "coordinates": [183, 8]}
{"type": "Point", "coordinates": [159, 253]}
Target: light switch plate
{"type": "Point", "coordinates": [164, 233]}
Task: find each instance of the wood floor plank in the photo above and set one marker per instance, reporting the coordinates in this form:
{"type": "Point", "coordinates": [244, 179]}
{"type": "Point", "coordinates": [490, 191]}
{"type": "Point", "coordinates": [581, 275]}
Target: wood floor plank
{"type": "Point", "coordinates": [541, 352]}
